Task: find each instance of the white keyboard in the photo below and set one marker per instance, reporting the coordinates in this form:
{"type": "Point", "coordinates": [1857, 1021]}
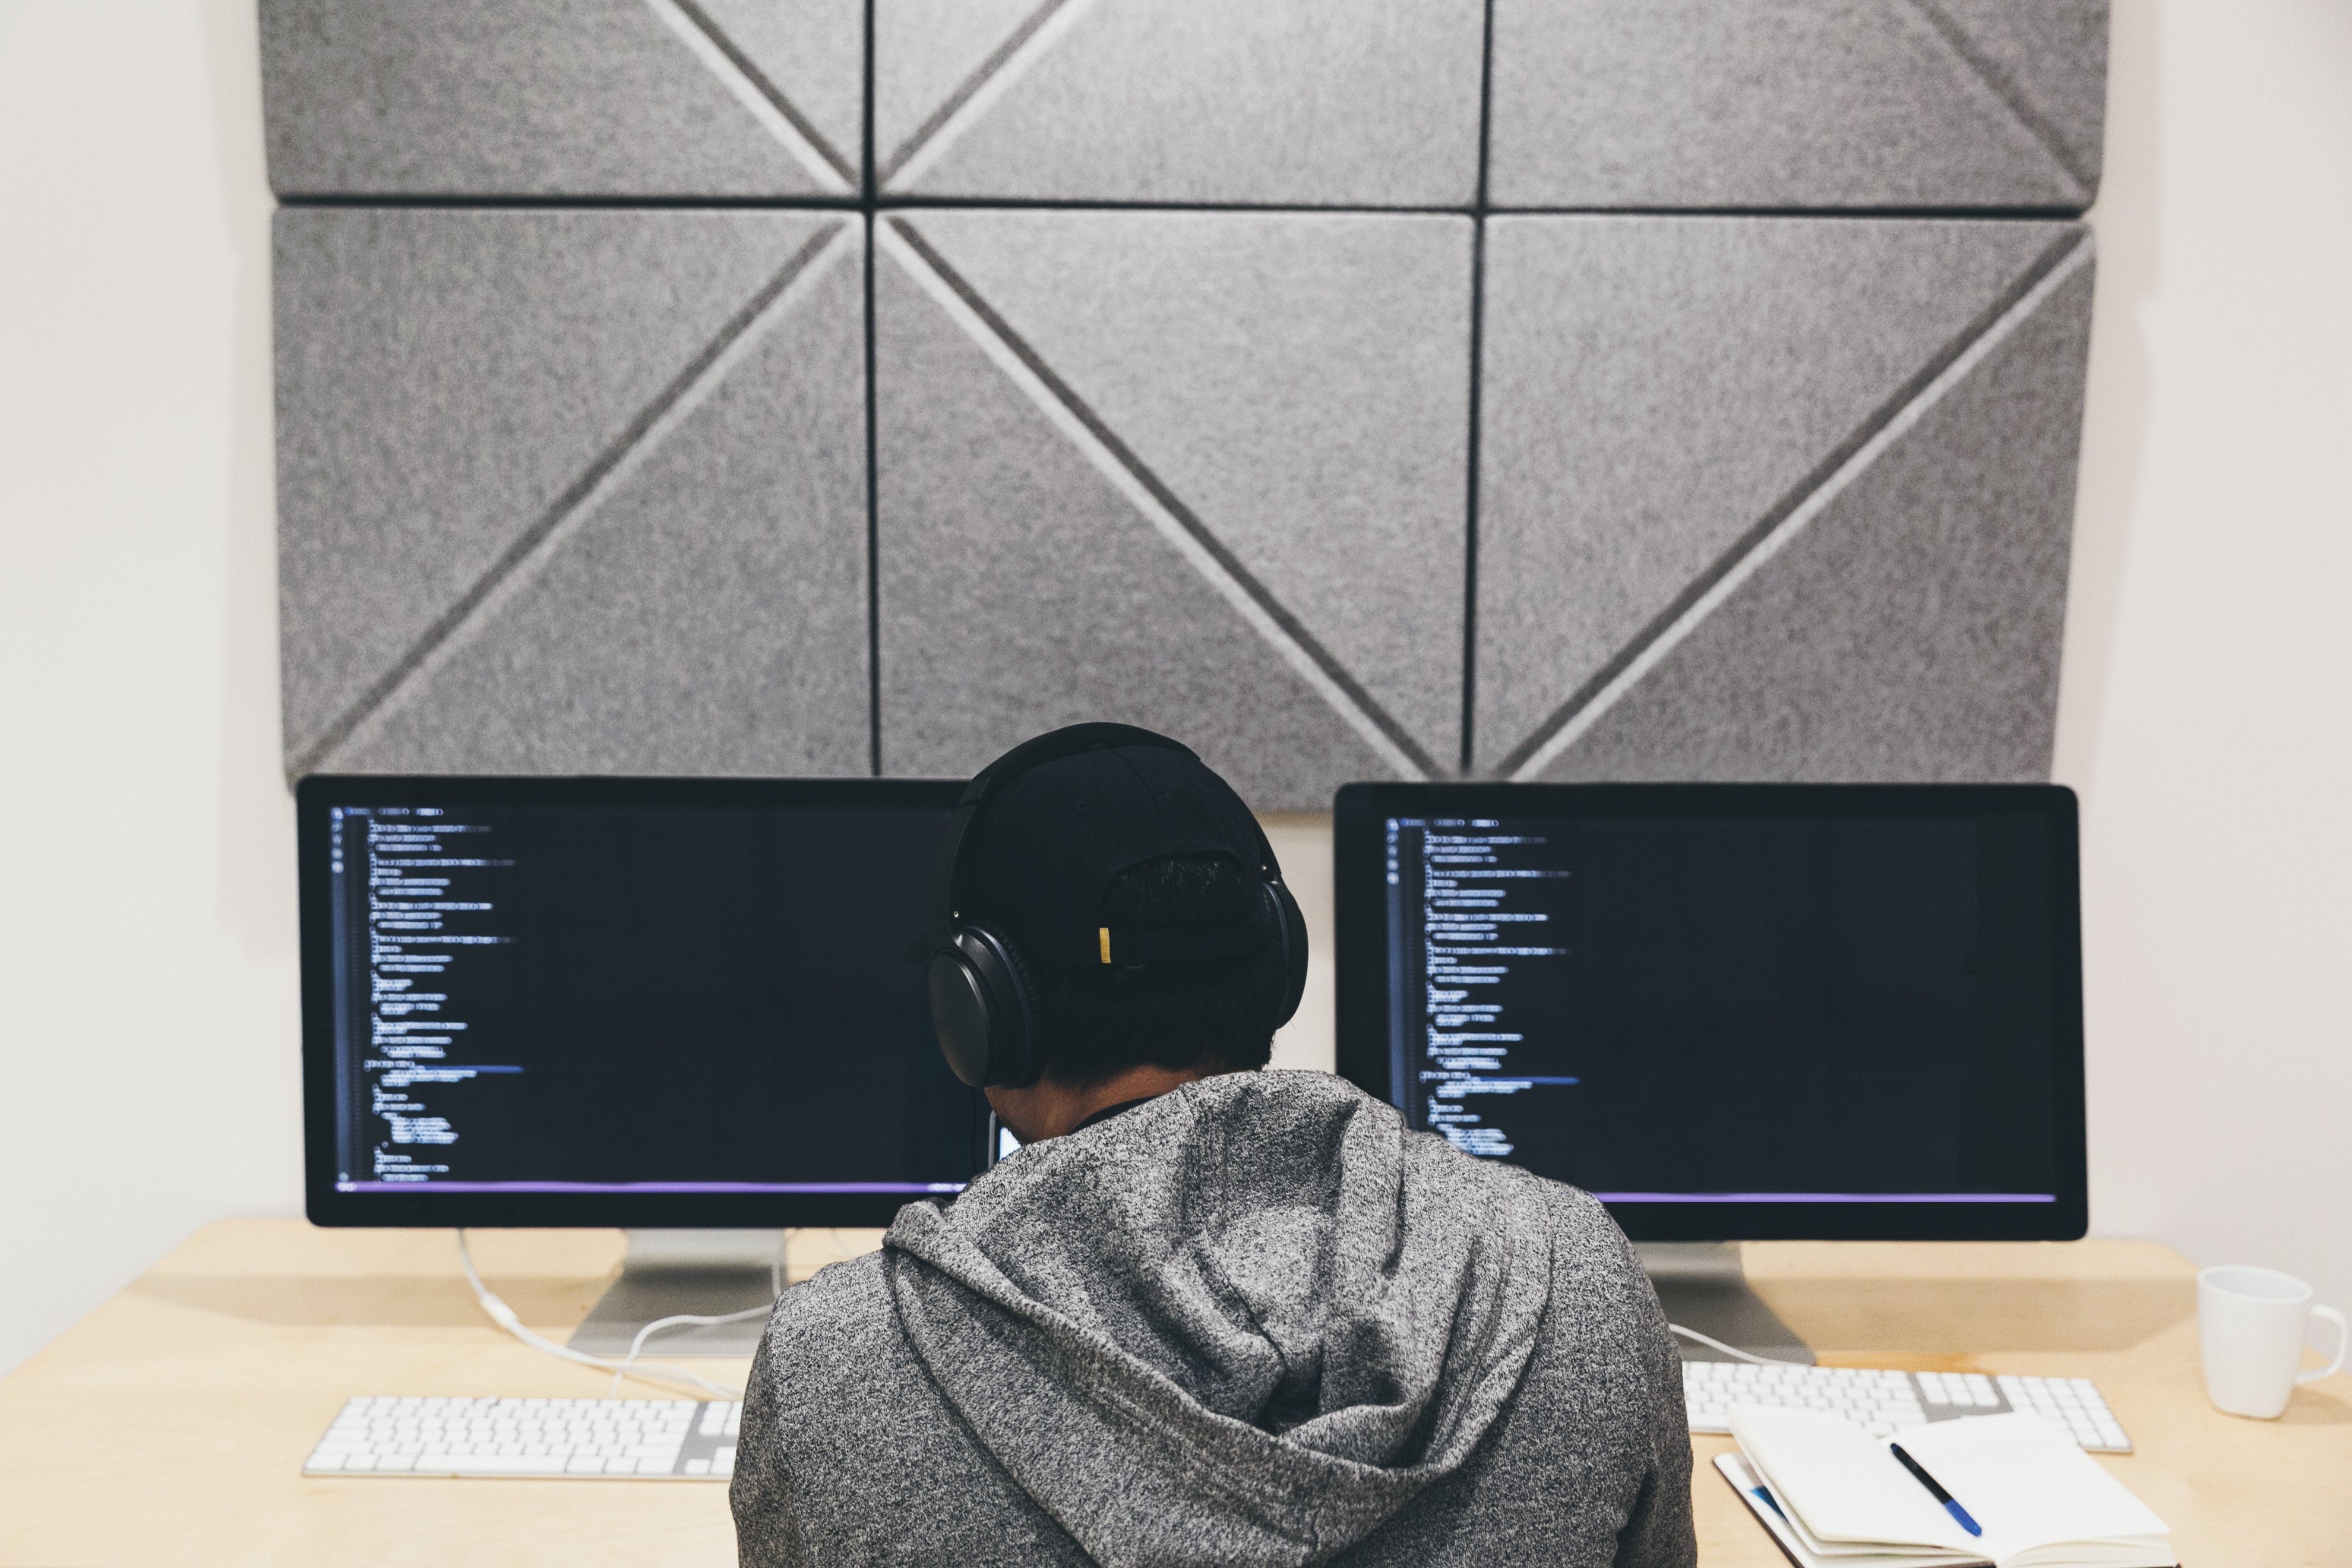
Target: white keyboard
{"type": "Point", "coordinates": [639, 1439]}
{"type": "Point", "coordinates": [1884, 1402]}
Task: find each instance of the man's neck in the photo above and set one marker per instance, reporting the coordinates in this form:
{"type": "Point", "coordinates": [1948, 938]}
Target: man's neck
{"type": "Point", "coordinates": [1050, 1108]}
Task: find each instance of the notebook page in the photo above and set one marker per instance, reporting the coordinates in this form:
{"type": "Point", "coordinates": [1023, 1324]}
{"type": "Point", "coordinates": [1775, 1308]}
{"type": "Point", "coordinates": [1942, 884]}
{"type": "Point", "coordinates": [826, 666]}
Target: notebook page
{"type": "Point", "coordinates": [2028, 1484]}
{"type": "Point", "coordinates": [1808, 1553]}
{"type": "Point", "coordinates": [1859, 1553]}
{"type": "Point", "coordinates": [1842, 1484]}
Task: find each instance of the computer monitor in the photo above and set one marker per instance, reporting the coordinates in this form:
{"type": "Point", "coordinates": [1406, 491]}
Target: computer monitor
{"type": "Point", "coordinates": [1730, 1011]}
{"type": "Point", "coordinates": [679, 1002]}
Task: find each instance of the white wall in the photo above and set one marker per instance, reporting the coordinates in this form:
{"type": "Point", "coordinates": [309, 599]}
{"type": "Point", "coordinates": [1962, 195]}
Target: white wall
{"type": "Point", "coordinates": [2206, 713]}
{"type": "Point", "coordinates": [147, 978]}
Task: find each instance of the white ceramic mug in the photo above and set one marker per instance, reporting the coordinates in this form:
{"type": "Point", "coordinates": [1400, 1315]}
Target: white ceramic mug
{"type": "Point", "coordinates": [2250, 1323]}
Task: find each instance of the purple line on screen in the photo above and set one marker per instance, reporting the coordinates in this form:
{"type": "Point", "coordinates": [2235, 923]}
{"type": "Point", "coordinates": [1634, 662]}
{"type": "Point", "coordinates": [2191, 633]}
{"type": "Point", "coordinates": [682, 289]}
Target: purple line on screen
{"type": "Point", "coordinates": [917, 1187]}
{"type": "Point", "coordinates": [1827, 1197]}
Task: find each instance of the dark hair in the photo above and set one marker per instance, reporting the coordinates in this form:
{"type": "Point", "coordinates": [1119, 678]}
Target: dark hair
{"type": "Point", "coordinates": [1098, 1022]}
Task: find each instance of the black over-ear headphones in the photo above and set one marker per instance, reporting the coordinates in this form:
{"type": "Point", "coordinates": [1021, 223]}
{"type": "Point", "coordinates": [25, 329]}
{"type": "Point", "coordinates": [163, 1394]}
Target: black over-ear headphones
{"type": "Point", "coordinates": [983, 997]}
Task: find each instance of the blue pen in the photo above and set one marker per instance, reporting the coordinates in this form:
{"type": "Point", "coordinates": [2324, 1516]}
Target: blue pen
{"type": "Point", "coordinates": [1951, 1504]}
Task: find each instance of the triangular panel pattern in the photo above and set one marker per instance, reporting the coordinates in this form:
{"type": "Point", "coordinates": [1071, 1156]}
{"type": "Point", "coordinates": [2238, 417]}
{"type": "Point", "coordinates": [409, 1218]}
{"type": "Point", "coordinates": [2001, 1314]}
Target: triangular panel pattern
{"type": "Point", "coordinates": [1804, 103]}
{"type": "Point", "coordinates": [1910, 631]}
{"type": "Point", "coordinates": [1374, 103]}
{"type": "Point", "coordinates": [709, 614]}
{"type": "Point", "coordinates": [460, 98]}
{"type": "Point", "coordinates": [1021, 590]}
{"type": "Point", "coordinates": [813, 52]}
{"type": "Point", "coordinates": [446, 378]}
{"type": "Point", "coordinates": [1217, 346]}
{"type": "Point", "coordinates": [1657, 388]}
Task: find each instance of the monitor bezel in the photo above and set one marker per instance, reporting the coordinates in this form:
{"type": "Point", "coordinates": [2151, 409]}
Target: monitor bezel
{"type": "Point", "coordinates": [316, 794]}
{"type": "Point", "coordinates": [1359, 877]}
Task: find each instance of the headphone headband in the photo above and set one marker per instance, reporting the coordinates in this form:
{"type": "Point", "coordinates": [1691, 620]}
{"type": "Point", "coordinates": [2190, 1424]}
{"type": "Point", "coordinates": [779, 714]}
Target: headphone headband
{"type": "Point", "coordinates": [983, 996]}
{"type": "Point", "coordinates": [1035, 752]}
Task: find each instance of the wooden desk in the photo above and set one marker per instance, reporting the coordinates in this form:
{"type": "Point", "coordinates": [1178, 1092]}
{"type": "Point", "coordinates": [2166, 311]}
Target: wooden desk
{"type": "Point", "coordinates": [2255, 1494]}
{"type": "Point", "coordinates": [170, 1425]}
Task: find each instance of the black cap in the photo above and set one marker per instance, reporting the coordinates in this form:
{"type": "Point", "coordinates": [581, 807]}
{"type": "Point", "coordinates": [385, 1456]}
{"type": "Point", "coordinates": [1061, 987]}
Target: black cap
{"type": "Point", "coordinates": [1044, 849]}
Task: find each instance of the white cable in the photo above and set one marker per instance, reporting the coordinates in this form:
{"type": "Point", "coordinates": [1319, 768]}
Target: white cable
{"type": "Point", "coordinates": [776, 1282]}
{"type": "Point", "coordinates": [504, 1316]}
{"type": "Point", "coordinates": [1733, 1350]}
{"type": "Point", "coordinates": [677, 1320]}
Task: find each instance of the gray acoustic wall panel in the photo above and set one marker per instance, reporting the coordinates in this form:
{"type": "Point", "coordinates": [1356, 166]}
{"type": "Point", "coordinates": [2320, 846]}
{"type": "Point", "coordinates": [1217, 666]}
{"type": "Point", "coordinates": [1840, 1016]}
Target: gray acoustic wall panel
{"type": "Point", "coordinates": [1797, 103]}
{"type": "Point", "coordinates": [1401, 388]}
{"type": "Point", "coordinates": [1303, 102]}
{"type": "Point", "coordinates": [1903, 622]}
{"type": "Point", "coordinates": [1657, 390]}
{"type": "Point", "coordinates": [610, 98]}
{"type": "Point", "coordinates": [572, 490]}
{"type": "Point", "coordinates": [1036, 568]}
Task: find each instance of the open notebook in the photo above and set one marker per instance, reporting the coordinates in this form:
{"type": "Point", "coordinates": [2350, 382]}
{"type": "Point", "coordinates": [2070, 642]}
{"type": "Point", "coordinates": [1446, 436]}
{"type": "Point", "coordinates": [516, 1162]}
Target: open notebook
{"type": "Point", "coordinates": [1835, 1496]}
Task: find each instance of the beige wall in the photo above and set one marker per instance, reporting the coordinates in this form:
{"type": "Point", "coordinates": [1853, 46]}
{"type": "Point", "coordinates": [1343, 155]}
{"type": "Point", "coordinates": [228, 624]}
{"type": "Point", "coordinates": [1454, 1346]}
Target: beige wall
{"type": "Point", "coordinates": [2206, 716]}
{"type": "Point", "coordinates": [2206, 709]}
{"type": "Point", "coordinates": [147, 973]}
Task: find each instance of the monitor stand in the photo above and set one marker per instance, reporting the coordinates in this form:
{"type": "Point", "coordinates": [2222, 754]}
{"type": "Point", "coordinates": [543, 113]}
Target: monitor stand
{"type": "Point", "coordinates": [706, 1272]}
{"type": "Point", "coordinates": [1702, 1285]}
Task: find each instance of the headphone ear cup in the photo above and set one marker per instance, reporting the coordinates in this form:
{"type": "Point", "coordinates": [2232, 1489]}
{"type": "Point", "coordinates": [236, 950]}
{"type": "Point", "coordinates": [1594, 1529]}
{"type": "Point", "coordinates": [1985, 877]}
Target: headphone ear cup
{"type": "Point", "coordinates": [1018, 1063]}
{"type": "Point", "coordinates": [962, 1016]}
{"type": "Point", "coordinates": [984, 1008]}
{"type": "Point", "coordinates": [1291, 926]}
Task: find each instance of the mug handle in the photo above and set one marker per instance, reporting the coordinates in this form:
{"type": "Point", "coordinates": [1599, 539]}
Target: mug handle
{"type": "Point", "coordinates": [2342, 1335]}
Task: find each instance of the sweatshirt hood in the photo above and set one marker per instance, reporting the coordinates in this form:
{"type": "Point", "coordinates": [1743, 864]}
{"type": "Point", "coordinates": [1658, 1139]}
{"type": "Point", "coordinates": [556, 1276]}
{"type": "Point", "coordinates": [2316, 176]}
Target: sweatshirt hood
{"type": "Point", "coordinates": [1244, 1322]}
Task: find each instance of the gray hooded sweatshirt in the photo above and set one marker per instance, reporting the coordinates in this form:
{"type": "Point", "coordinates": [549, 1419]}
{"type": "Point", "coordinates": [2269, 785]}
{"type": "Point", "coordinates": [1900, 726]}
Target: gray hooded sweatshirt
{"type": "Point", "coordinates": [1254, 1321]}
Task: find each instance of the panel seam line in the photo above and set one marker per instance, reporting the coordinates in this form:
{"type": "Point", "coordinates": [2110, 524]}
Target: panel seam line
{"type": "Point", "coordinates": [866, 187]}
{"type": "Point", "coordinates": [1473, 455]}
